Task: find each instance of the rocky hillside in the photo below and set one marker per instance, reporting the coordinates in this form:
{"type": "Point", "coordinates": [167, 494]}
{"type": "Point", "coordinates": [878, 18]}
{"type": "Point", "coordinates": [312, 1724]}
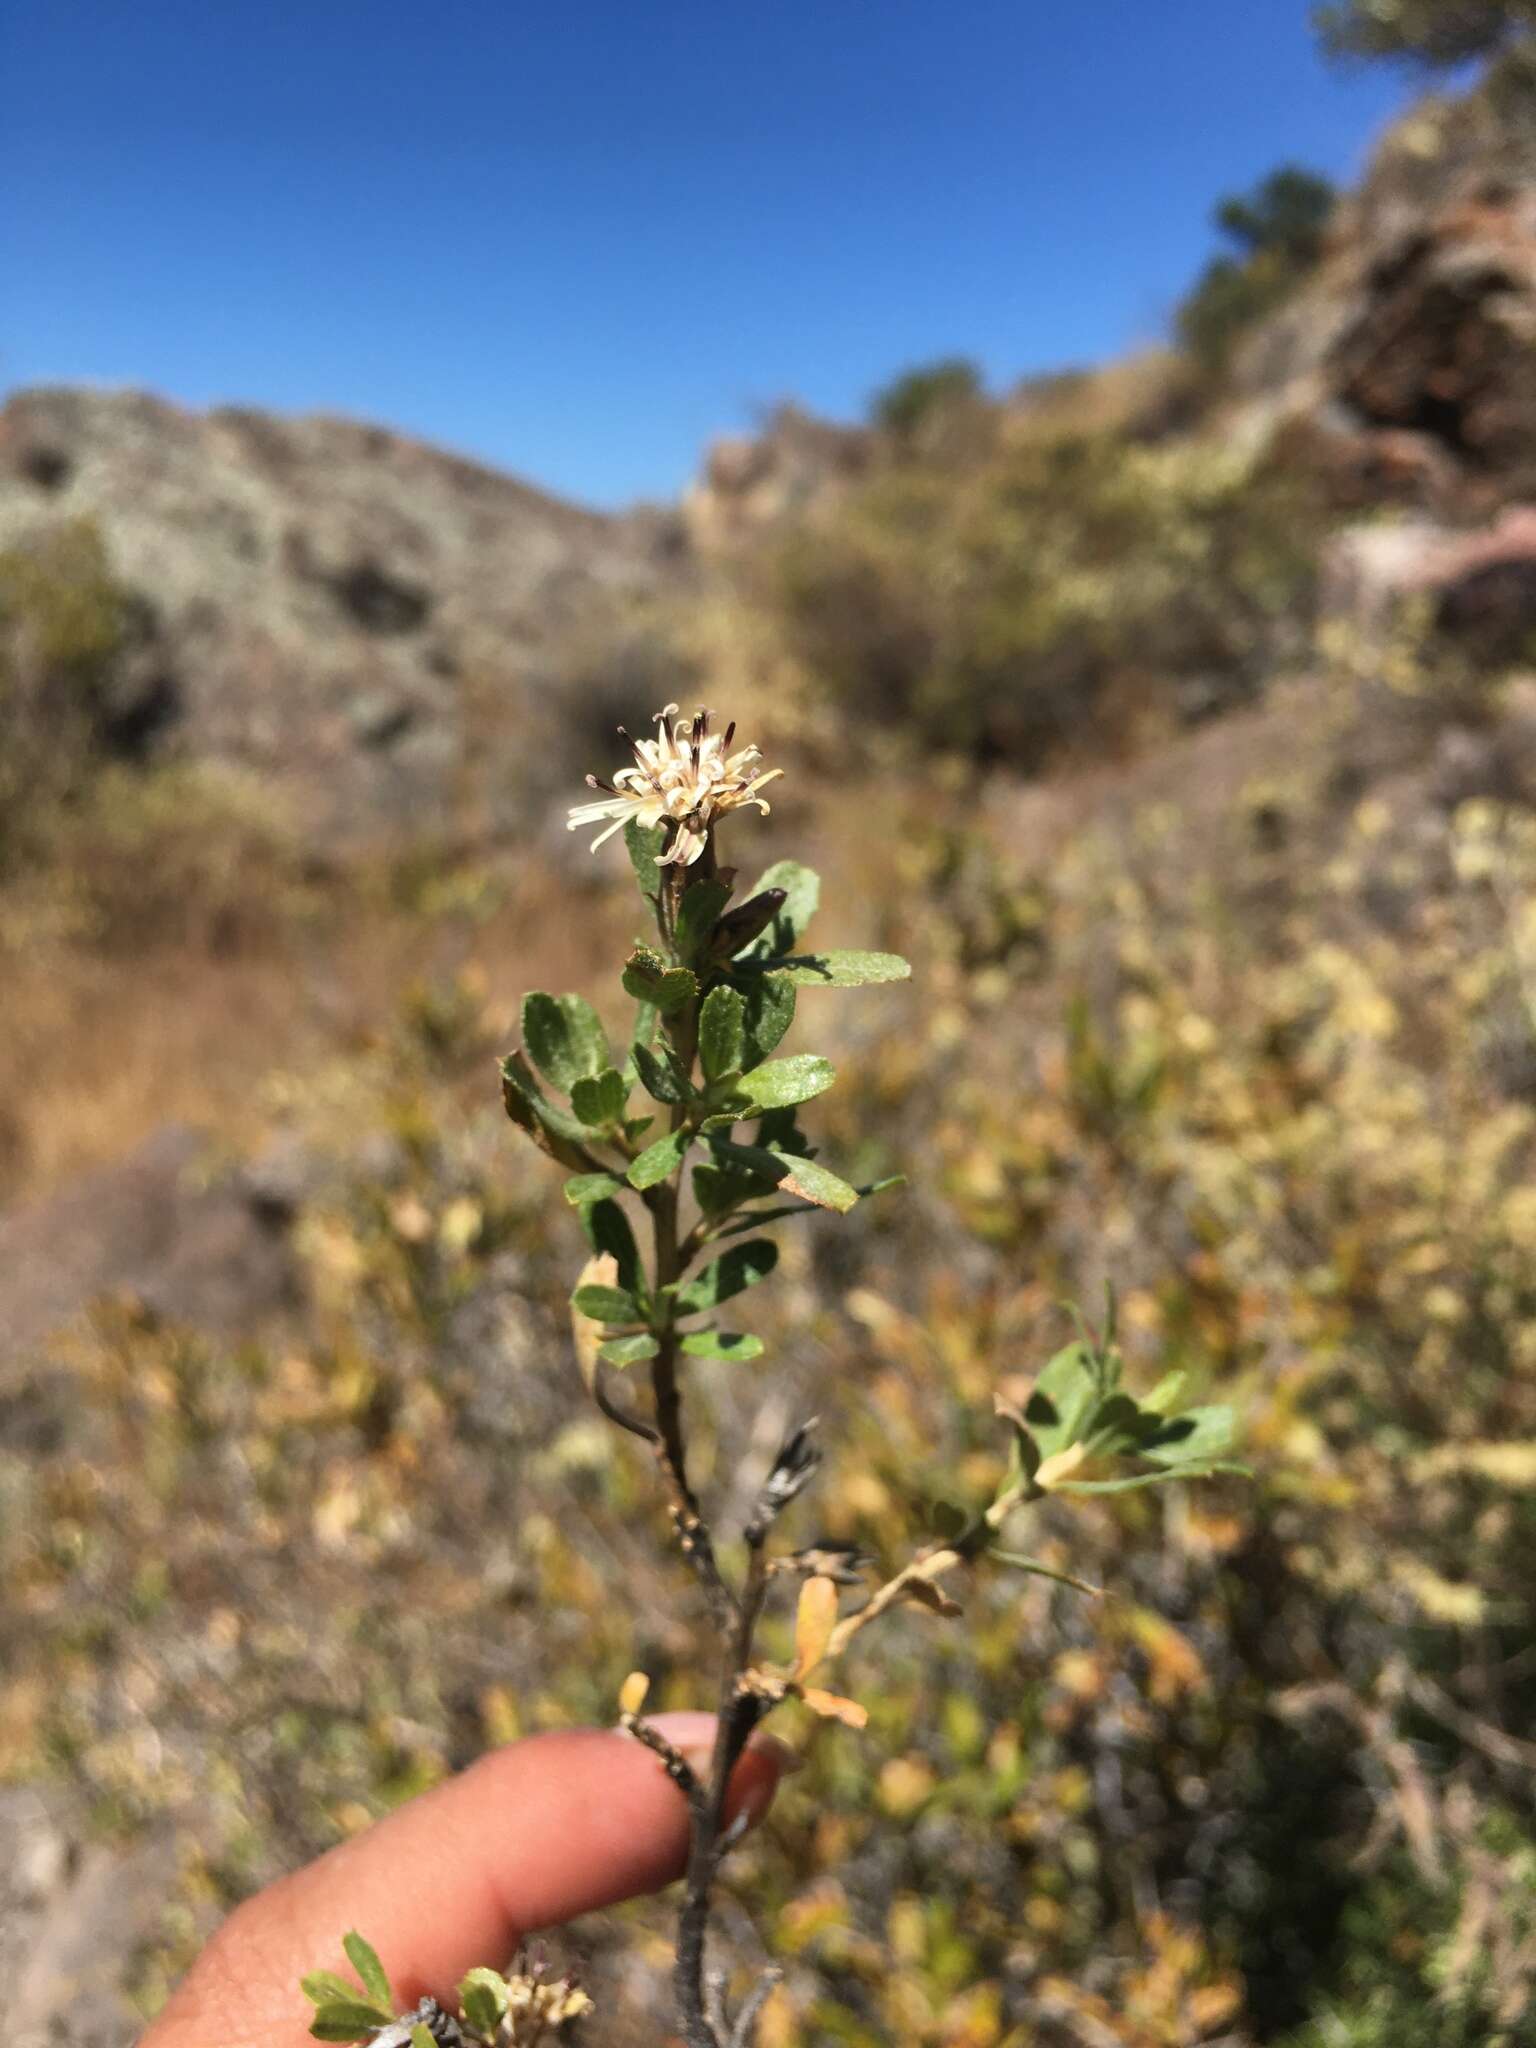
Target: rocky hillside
{"type": "Point", "coordinates": [1410, 357]}
{"type": "Point", "coordinates": [338, 611]}
{"type": "Point", "coordinates": [1403, 371]}
{"type": "Point", "coordinates": [376, 633]}
{"type": "Point", "coordinates": [1224, 966]}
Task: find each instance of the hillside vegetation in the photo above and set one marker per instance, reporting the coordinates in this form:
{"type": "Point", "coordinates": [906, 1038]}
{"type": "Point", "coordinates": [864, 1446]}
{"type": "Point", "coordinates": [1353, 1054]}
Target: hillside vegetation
{"type": "Point", "coordinates": [1180, 722]}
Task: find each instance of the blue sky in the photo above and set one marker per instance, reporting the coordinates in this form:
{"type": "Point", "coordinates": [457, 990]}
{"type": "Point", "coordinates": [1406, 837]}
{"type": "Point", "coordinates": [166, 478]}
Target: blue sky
{"type": "Point", "coordinates": [578, 241]}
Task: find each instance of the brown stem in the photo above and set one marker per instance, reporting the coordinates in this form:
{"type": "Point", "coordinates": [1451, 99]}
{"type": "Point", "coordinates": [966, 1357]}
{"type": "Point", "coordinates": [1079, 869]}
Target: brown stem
{"type": "Point", "coordinates": [926, 1568]}
{"type": "Point", "coordinates": [678, 1768]}
{"type": "Point", "coordinates": [739, 1713]}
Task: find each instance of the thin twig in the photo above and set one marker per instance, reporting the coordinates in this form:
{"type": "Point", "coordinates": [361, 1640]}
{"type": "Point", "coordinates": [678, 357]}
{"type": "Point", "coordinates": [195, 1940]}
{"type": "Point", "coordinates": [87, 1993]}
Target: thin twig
{"type": "Point", "coordinates": [739, 1713]}
{"type": "Point", "coordinates": [615, 1413]}
{"type": "Point", "coordinates": [925, 1569]}
{"type": "Point", "coordinates": [744, 2033]}
{"type": "Point", "coordinates": [679, 1770]}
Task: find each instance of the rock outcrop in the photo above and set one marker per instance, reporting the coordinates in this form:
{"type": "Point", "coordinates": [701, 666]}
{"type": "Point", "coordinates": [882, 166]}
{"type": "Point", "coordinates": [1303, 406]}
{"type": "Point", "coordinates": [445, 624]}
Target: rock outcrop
{"type": "Point", "coordinates": [750, 483]}
{"type": "Point", "coordinates": [1405, 369]}
{"type": "Point", "coordinates": [325, 606]}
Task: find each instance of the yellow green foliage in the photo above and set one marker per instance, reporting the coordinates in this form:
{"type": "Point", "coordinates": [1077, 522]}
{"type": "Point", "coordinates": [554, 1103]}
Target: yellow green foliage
{"type": "Point", "coordinates": [63, 625]}
{"type": "Point", "coordinates": [1063, 592]}
{"type": "Point", "coordinates": [1256, 1037]}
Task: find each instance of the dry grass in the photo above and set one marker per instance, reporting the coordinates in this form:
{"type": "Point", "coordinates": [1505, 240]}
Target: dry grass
{"type": "Point", "coordinates": [100, 1046]}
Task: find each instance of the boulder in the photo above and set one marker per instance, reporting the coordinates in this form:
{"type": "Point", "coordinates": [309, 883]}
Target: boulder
{"type": "Point", "coordinates": [1480, 583]}
{"type": "Point", "coordinates": [1409, 357]}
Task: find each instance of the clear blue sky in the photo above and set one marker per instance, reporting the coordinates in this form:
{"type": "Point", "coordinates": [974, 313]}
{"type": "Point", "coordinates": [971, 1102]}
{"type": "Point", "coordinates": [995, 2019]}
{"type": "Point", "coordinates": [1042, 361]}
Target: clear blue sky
{"type": "Point", "coordinates": [579, 240]}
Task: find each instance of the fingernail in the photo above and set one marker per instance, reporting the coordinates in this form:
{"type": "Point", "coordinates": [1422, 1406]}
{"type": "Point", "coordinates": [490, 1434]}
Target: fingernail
{"type": "Point", "coordinates": [787, 1759]}
{"type": "Point", "coordinates": [755, 1802]}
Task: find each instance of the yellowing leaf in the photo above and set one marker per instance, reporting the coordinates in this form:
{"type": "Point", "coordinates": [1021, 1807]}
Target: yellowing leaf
{"type": "Point", "coordinates": [833, 1708]}
{"type": "Point", "coordinates": [632, 1692]}
{"type": "Point", "coordinates": [926, 1594]}
{"type": "Point", "coordinates": [1059, 1466]}
{"type": "Point", "coordinates": [1173, 1663]}
{"type": "Point", "coordinates": [1443, 1600]}
{"type": "Point", "coordinates": [601, 1270]}
{"type": "Point", "coordinates": [1505, 1464]}
{"type": "Point", "coordinates": [815, 1619]}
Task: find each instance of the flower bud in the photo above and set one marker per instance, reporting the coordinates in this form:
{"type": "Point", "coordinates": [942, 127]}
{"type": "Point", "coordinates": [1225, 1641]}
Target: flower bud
{"type": "Point", "coordinates": [739, 927]}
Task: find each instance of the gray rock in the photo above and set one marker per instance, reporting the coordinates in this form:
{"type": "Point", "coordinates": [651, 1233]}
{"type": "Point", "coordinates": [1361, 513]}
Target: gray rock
{"type": "Point", "coordinates": [311, 597]}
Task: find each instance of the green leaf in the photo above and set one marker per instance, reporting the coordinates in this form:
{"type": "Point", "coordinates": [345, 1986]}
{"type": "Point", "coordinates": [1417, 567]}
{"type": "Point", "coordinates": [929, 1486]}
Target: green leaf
{"type": "Point", "coordinates": [733, 1344]}
{"type": "Point", "coordinates": [599, 1099]}
{"type": "Point", "coordinates": [807, 1172]}
{"type": "Point", "coordinates": [608, 1229]}
{"type": "Point", "coordinates": [779, 1130]}
{"type": "Point", "coordinates": [817, 1185]}
{"type": "Point", "coordinates": [564, 1037]}
{"type": "Point", "coordinates": [770, 1010]}
{"type": "Point", "coordinates": [657, 1161]}
{"type": "Point", "coordinates": [718, 1188]}
{"type": "Point", "coordinates": [791, 1174]}
{"type": "Point", "coordinates": [703, 901]}
{"type": "Point", "coordinates": [1117, 1427]}
{"type": "Point", "coordinates": [484, 1998]}
{"type": "Point", "coordinates": [422, 2036]}
{"type": "Point", "coordinates": [742, 1266]}
{"type": "Point", "coordinates": [347, 2020]}
{"type": "Point", "coordinates": [780, 1084]}
{"type": "Point", "coordinates": [586, 1188]}
{"type": "Point", "coordinates": [1062, 1400]}
{"type": "Point", "coordinates": [629, 1350]}
{"type": "Point", "coordinates": [841, 970]}
{"type": "Point", "coordinates": [722, 1032]}
{"type": "Point", "coordinates": [1140, 1479]}
{"type": "Point", "coordinates": [1198, 1436]}
{"type": "Point", "coordinates": [802, 893]}
{"type": "Point", "coordinates": [607, 1304]}
{"type": "Point", "coordinates": [1162, 1397]}
{"type": "Point", "coordinates": [369, 1969]}
{"type": "Point", "coordinates": [324, 1987]}
{"type": "Point", "coordinates": [552, 1129]}
{"type": "Point", "coordinates": [645, 843]}
{"type": "Point", "coordinates": [649, 979]}
{"type": "Point", "coordinates": [644, 1034]}
{"type": "Point", "coordinates": [659, 1075]}
{"type": "Point", "coordinates": [1043, 1571]}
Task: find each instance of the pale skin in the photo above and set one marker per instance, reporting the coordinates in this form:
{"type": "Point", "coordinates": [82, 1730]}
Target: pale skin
{"type": "Point", "coordinates": [528, 1837]}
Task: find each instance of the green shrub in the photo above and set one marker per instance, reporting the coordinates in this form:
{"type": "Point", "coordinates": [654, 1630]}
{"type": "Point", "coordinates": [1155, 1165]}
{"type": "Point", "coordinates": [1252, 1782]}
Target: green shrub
{"type": "Point", "coordinates": [1064, 586]}
{"type": "Point", "coordinates": [65, 625]}
{"type": "Point", "coordinates": [1278, 229]}
{"type": "Point", "coordinates": [914, 400]}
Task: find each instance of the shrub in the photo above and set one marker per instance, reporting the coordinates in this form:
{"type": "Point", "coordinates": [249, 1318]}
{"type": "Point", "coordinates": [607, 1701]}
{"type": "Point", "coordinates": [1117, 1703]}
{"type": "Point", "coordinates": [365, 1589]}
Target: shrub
{"type": "Point", "coordinates": [1278, 229]}
{"type": "Point", "coordinates": [1069, 591]}
{"type": "Point", "coordinates": [64, 625]}
{"type": "Point", "coordinates": [921, 396]}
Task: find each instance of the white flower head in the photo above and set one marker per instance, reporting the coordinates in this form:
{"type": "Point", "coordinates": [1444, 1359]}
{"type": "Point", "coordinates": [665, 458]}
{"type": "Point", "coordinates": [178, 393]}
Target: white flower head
{"type": "Point", "coordinates": [686, 777]}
